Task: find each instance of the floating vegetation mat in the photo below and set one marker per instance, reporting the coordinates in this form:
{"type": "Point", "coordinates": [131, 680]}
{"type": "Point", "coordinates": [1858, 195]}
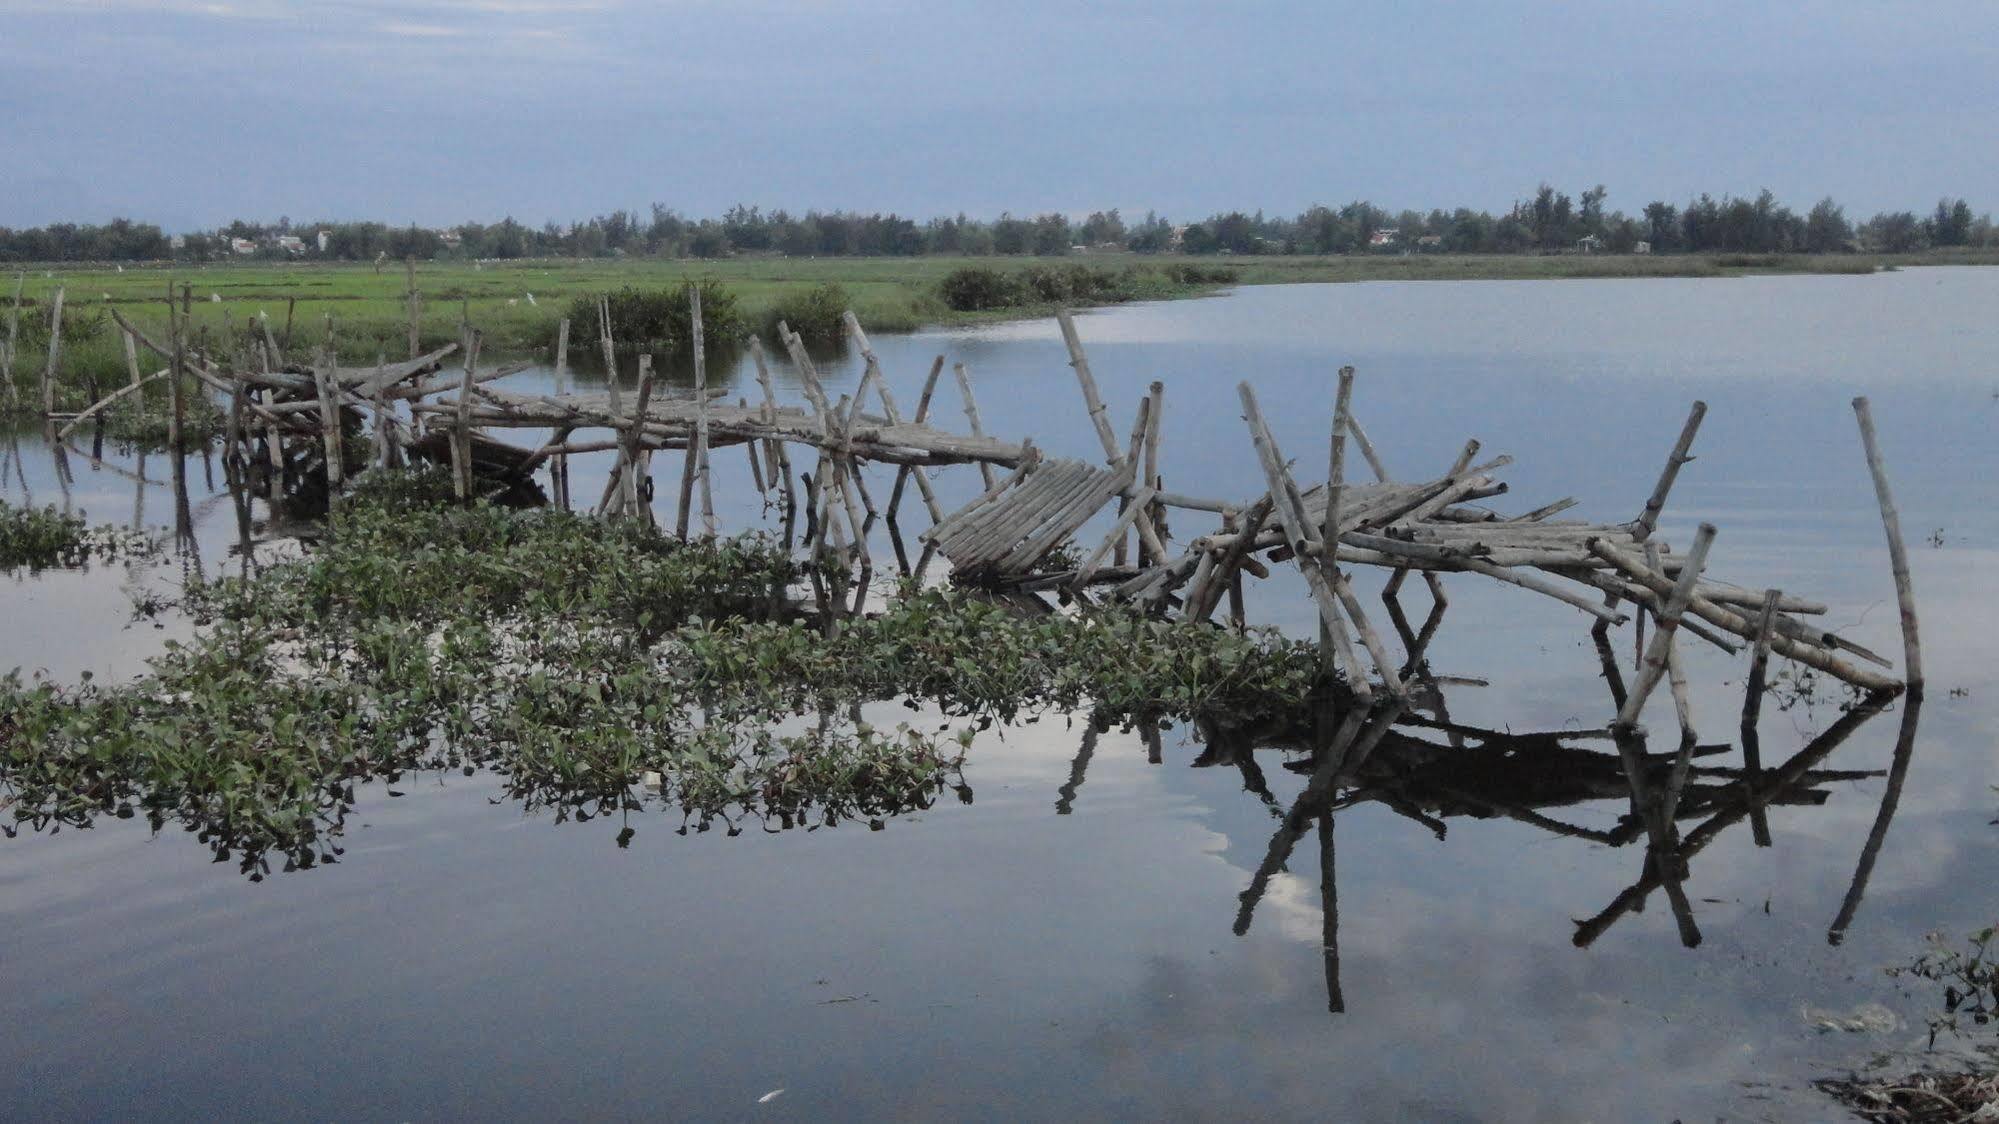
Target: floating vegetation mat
{"type": "Point", "coordinates": [37, 539]}
{"type": "Point", "coordinates": [599, 667]}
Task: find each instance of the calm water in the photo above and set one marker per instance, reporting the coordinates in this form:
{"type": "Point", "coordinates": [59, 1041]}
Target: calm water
{"type": "Point", "coordinates": [1001, 959]}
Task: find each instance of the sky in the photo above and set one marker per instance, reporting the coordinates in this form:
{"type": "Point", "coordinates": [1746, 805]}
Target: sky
{"type": "Point", "coordinates": [437, 111]}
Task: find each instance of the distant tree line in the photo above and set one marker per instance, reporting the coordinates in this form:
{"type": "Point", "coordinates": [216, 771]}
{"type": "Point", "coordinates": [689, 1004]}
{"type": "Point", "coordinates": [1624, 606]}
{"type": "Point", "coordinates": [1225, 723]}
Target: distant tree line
{"type": "Point", "coordinates": [1551, 221]}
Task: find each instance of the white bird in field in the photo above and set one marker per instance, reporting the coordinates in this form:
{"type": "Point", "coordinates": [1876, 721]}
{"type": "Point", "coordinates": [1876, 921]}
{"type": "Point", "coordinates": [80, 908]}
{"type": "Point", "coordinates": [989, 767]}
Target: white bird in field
{"type": "Point", "coordinates": [107, 296]}
{"type": "Point", "coordinates": [215, 298]}
{"type": "Point", "coordinates": [530, 300]}
{"type": "Point", "coordinates": [121, 269]}
{"type": "Point", "coordinates": [511, 302]}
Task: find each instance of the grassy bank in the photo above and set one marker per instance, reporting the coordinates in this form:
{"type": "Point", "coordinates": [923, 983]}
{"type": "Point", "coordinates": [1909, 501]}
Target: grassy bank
{"type": "Point", "coordinates": [518, 303]}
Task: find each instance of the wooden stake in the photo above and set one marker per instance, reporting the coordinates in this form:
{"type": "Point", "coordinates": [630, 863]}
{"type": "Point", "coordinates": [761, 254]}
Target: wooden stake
{"type": "Point", "coordinates": [972, 414]}
{"type": "Point", "coordinates": [415, 302]}
{"type": "Point", "coordinates": [461, 434]}
{"type": "Point", "coordinates": [708, 525]}
{"type": "Point", "coordinates": [55, 353]}
{"type": "Point", "coordinates": [1898, 555]}
{"type": "Point", "coordinates": [781, 458]}
{"type": "Point", "coordinates": [630, 463]}
{"type": "Point", "coordinates": [13, 342]}
{"type": "Point", "coordinates": [922, 413]}
{"type": "Point", "coordinates": [1752, 711]}
{"type": "Point", "coordinates": [1654, 664]}
{"type": "Point", "coordinates": [1648, 520]}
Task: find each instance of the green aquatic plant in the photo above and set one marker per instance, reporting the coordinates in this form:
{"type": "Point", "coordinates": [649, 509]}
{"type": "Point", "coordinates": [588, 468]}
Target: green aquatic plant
{"type": "Point", "coordinates": [1968, 978]}
{"type": "Point", "coordinates": [37, 539]}
{"type": "Point", "coordinates": [595, 666]}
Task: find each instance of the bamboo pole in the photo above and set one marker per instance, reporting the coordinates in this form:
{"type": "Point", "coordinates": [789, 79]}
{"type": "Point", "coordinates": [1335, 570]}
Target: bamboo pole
{"type": "Point", "coordinates": [894, 415]}
{"type": "Point", "coordinates": [708, 526]}
{"type": "Point", "coordinates": [132, 369]}
{"type": "Point", "coordinates": [13, 342]}
{"type": "Point", "coordinates": [1134, 449]}
{"type": "Point", "coordinates": [562, 357]}
{"type": "Point", "coordinates": [922, 413]}
{"type": "Point", "coordinates": [55, 353]}
{"type": "Point", "coordinates": [782, 461]}
{"type": "Point", "coordinates": [1898, 555]}
{"type": "Point", "coordinates": [104, 403]}
{"type": "Point", "coordinates": [1291, 519]}
{"type": "Point", "coordinates": [461, 434]}
{"type": "Point", "coordinates": [636, 502]}
{"type": "Point", "coordinates": [1668, 621]}
{"type": "Point", "coordinates": [329, 423]}
{"type": "Point", "coordinates": [1648, 520]}
{"type": "Point", "coordinates": [1752, 710]}
{"type": "Point", "coordinates": [1156, 417]}
{"type": "Point", "coordinates": [415, 303]}
{"type": "Point", "coordinates": [610, 352]}
{"type": "Point", "coordinates": [972, 414]}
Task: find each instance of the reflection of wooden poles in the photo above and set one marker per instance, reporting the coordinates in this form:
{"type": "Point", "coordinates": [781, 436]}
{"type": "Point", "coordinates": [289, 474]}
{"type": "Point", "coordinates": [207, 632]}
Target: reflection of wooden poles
{"type": "Point", "coordinates": [1329, 907]}
{"type": "Point", "coordinates": [1891, 798]}
{"type": "Point", "coordinates": [1079, 769]}
{"type": "Point", "coordinates": [1774, 784]}
{"type": "Point", "coordinates": [1898, 557]}
{"type": "Point", "coordinates": [1752, 710]}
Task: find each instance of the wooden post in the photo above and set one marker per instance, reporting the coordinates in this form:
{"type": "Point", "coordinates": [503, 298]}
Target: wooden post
{"type": "Point", "coordinates": [972, 414]}
{"type": "Point", "coordinates": [1898, 555]}
{"type": "Point", "coordinates": [461, 434]}
{"type": "Point", "coordinates": [708, 525]}
{"type": "Point", "coordinates": [1648, 520]}
{"type": "Point", "coordinates": [55, 353]}
{"type": "Point", "coordinates": [329, 421]}
{"type": "Point", "coordinates": [176, 394]}
{"type": "Point", "coordinates": [132, 369]}
{"type": "Point", "coordinates": [285, 345]}
{"type": "Point", "coordinates": [1668, 619]}
{"type": "Point", "coordinates": [922, 412]}
{"type": "Point", "coordinates": [13, 342]}
{"type": "Point", "coordinates": [894, 415]}
{"type": "Point", "coordinates": [1299, 538]}
{"type": "Point", "coordinates": [635, 500]}
{"type": "Point", "coordinates": [1081, 363]}
{"type": "Point", "coordinates": [781, 457]}
{"type": "Point", "coordinates": [415, 302]}
{"type": "Point", "coordinates": [1156, 399]}
{"type": "Point", "coordinates": [610, 352]}
{"type": "Point", "coordinates": [562, 357]}
{"type": "Point", "coordinates": [1752, 711]}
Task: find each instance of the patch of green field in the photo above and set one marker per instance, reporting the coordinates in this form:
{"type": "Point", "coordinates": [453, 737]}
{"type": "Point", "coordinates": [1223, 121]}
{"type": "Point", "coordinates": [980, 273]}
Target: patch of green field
{"type": "Point", "coordinates": [518, 303]}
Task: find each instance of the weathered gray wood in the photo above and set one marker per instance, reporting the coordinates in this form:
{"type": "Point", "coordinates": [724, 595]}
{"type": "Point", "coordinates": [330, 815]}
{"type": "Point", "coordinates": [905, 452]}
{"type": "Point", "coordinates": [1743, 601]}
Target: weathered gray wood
{"type": "Point", "coordinates": [894, 415]}
{"type": "Point", "coordinates": [610, 352]}
{"type": "Point", "coordinates": [972, 414]}
{"type": "Point", "coordinates": [13, 343]}
{"type": "Point", "coordinates": [1668, 621]}
{"type": "Point", "coordinates": [1898, 555]}
{"type": "Point", "coordinates": [709, 528]}
{"type": "Point", "coordinates": [1299, 537]}
{"type": "Point", "coordinates": [902, 474]}
{"type": "Point", "coordinates": [1648, 519]}
{"type": "Point", "coordinates": [106, 402]}
{"type": "Point", "coordinates": [55, 354]}
{"type": "Point", "coordinates": [461, 434]}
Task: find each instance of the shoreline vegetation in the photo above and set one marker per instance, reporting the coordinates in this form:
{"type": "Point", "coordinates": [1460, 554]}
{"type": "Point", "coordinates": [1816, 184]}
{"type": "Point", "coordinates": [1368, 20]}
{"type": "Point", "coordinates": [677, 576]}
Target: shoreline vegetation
{"type": "Point", "coordinates": [519, 303]}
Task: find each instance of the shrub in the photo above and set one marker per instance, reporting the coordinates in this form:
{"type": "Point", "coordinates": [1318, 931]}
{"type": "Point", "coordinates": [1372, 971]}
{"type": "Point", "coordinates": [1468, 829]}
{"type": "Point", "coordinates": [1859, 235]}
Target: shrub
{"type": "Point", "coordinates": [978, 288]}
{"type": "Point", "coordinates": [648, 319]}
{"type": "Point", "coordinates": [815, 313]}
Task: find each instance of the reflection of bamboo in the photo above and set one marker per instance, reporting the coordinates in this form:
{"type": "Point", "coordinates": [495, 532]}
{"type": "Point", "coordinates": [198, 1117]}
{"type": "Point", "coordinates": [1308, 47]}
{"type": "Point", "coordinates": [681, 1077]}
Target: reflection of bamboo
{"type": "Point", "coordinates": [1776, 782]}
{"type": "Point", "coordinates": [1752, 709]}
{"type": "Point", "coordinates": [1079, 769]}
{"type": "Point", "coordinates": [1891, 798]}
{"type": "Point", "coordinates": [1329, 909]}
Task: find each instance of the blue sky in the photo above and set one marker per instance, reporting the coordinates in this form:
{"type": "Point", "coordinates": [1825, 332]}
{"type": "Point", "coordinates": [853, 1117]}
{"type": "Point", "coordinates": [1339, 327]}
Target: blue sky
{"type": "Point", "coordinates": [433, 111]}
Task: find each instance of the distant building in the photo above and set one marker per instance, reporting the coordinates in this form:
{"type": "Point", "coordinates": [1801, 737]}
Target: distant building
{"type": "Point", "coordinates": [177, 243]}
{"type": "Point", "coordinates": [450, 238]}
{"type": "Point", "coordinates": [1430, 242]}
{"type": "Point", "coordinates": [1588, 244]}
{"type": "Point", "coordinates": [322, 238]}
{"type": "Point", "coordinates": [1641, 248]}
{"type": "Point", "coordinates": [290, 244]}
{"type": "Point", "coordinates": [242, 246]}
{"type": "Point", "coordinates": [1386, 236]}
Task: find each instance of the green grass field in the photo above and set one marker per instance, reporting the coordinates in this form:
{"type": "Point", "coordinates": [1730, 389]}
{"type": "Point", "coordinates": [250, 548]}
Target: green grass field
{"type": "Point", "coordinates": [518, 303]}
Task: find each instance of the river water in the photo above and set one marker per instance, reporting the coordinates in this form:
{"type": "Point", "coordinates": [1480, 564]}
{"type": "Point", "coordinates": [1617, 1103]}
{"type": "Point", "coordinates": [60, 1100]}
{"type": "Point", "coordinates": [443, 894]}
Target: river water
{"type": "Point", "coordinates": [1063, 945]}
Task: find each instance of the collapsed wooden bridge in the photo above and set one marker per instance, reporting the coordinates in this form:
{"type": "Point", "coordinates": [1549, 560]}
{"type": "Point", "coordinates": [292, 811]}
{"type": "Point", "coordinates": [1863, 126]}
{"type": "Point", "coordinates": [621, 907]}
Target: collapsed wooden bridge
{"type": "Point", "coordinates": [294, 421]}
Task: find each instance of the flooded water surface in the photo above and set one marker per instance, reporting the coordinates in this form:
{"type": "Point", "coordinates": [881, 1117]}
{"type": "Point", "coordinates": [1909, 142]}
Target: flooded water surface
{"type": "Point", "coordinates": [1067, 942]}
